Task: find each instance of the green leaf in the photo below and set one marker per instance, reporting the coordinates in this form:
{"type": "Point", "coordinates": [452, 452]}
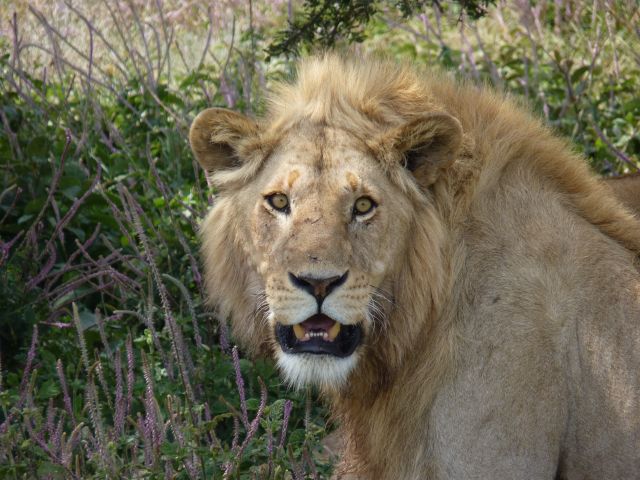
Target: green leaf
{"type": "Point", "coordinates": [578, 73]}
{"type": "Point", "coordinates": [87, 320]}
{"type": "Point", "coordinates": [48, 389]}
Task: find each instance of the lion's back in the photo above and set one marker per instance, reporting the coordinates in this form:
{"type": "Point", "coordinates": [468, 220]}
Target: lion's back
{"type": "Point", "coordinates": [552, 335]}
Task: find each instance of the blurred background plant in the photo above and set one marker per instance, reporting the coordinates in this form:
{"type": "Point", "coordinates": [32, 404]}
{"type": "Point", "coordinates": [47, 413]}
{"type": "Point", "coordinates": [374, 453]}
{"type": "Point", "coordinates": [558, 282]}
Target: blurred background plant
{"type": "Point", "coordinates": [110, 364]}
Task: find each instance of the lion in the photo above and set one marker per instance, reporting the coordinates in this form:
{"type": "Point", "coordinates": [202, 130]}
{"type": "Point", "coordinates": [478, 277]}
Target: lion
{"type": "Point", "coordinates": [459, 286]}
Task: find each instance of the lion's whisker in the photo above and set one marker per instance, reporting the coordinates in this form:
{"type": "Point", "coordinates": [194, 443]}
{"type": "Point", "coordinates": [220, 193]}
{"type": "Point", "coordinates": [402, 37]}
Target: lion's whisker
{"type": "Point", "coordinates": [262, 308]}
{"type": "Point", "coordinates": [376, 313]}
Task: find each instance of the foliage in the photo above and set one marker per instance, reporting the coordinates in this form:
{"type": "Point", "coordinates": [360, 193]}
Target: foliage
{"type": "Point", "coordinates": [576, 64]}
{"type": "Point", "coordinates": [323, 23]}
{"type": "Point", "coordinates": [126, 374]}
{"type": "Point", "coordinates": [111, 364]}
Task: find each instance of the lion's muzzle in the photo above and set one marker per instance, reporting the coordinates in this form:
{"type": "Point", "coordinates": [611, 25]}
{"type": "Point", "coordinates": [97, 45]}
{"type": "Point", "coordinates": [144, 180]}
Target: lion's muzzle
{"type": "Point", "coordinates": [319, 288]}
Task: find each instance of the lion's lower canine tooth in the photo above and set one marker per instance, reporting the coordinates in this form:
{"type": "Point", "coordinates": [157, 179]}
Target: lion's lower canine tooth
{"type": "Point", "coordinates": [299, 331]}
{"type": "Point", "coordinates": [334, 330]}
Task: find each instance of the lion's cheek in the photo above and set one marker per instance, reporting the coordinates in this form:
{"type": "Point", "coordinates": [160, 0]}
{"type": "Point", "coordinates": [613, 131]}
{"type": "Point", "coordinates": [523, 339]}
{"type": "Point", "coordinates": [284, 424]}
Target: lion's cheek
{"type": "Point", "coordinates": [264, 232]}
{"type": "Point", "coordinates": [374, 252]}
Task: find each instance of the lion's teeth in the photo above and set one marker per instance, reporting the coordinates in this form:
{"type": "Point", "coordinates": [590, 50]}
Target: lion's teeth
{"type": "Point", "coordinates": [328, 336]}
{"type": "Point", "coordinates": [317, 334]}
{"type": "Point", "coordinates": [333, 331]}
{"type": "Point", "coordinates": [299, 331]}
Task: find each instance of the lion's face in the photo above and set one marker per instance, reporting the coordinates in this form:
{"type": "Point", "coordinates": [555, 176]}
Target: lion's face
{"type": "Point", "coordinates": [322, 211]}
{"type": "Point", "coordinates": [310, 226]}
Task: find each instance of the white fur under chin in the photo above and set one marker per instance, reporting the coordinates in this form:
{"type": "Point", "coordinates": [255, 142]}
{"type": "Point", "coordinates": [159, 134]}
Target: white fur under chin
{"type": "Point", "coordinates": [324, 371]}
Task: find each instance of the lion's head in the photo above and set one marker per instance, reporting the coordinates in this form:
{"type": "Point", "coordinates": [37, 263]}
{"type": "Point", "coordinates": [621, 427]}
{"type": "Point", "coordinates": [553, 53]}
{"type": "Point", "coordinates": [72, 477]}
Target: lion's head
{"type": "Point", "coordinates": [323, 206]}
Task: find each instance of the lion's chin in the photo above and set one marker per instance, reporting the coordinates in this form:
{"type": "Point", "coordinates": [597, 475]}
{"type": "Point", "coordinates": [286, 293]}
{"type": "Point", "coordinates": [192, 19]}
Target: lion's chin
{"type": "Point", "coordinates": [326, 372]}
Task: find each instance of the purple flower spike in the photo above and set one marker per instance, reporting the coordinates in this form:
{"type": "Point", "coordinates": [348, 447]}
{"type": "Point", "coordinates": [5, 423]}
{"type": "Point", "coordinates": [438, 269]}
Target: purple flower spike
{"type": "Point", "coordinates": [240, 385]}
{"type": "Point", "coordinates": [288, 406]}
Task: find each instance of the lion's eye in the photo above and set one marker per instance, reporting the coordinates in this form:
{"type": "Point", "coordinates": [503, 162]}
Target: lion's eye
{"type": "Point", "coordinates": [363, 206]}
{"type": "Point", "coordinates": [279, 201]}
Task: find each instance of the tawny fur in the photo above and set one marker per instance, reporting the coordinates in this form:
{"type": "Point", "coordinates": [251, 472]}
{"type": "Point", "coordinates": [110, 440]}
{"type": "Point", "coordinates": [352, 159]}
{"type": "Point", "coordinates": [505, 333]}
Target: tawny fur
{"type": "Point", "coordinates": [626, 188]}
{"type": "Point", "coordinates": [507, 342]}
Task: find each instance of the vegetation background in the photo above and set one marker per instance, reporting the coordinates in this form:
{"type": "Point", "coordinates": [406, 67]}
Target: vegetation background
{"type": "Point", "coordinates": [110, 365]}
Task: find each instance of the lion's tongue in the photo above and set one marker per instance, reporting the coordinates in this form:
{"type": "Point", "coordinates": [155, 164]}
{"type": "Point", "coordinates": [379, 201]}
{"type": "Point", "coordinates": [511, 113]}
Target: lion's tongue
{"type": "Point", "coordinates": [317, 326]}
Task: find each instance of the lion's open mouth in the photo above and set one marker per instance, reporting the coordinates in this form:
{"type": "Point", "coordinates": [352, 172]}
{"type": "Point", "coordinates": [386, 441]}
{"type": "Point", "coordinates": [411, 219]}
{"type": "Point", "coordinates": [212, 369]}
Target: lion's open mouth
{"type": "Point", "coordinates": [319, 334]}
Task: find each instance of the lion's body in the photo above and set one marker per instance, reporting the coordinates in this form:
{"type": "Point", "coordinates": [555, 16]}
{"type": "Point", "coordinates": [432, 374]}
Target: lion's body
{"type": "Point", "coordinates": [546, 376]}
{"type": "Point", "coordinates": [509, 344]}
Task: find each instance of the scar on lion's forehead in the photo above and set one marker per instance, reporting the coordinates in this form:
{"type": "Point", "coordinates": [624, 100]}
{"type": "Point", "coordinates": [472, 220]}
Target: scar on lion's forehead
{"type": "Point", "coordinates": [353, 180]}
{"type": "Point", "coordinates": [293, 176]}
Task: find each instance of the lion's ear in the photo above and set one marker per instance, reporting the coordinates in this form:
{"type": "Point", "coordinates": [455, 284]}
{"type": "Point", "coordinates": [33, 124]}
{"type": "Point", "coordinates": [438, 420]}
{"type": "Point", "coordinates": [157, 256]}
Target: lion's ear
{"type": "Point", "coordinates": [428, 145]}
{"type": "Point", "coordinates": [217, 136]}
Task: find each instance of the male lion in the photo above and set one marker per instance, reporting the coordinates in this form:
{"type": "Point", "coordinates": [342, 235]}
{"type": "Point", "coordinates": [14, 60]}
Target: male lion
{"type": "Point", "coordinates": [460, 286]}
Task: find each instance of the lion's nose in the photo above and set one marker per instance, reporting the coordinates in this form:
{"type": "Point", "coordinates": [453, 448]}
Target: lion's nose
{"type": "Point", "coordinates": [320, 288]}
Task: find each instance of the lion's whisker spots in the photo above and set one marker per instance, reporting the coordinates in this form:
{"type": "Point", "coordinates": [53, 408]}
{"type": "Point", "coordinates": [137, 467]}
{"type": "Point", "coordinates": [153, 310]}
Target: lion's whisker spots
{"type": "Point", "coordinates": [286, 309]}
